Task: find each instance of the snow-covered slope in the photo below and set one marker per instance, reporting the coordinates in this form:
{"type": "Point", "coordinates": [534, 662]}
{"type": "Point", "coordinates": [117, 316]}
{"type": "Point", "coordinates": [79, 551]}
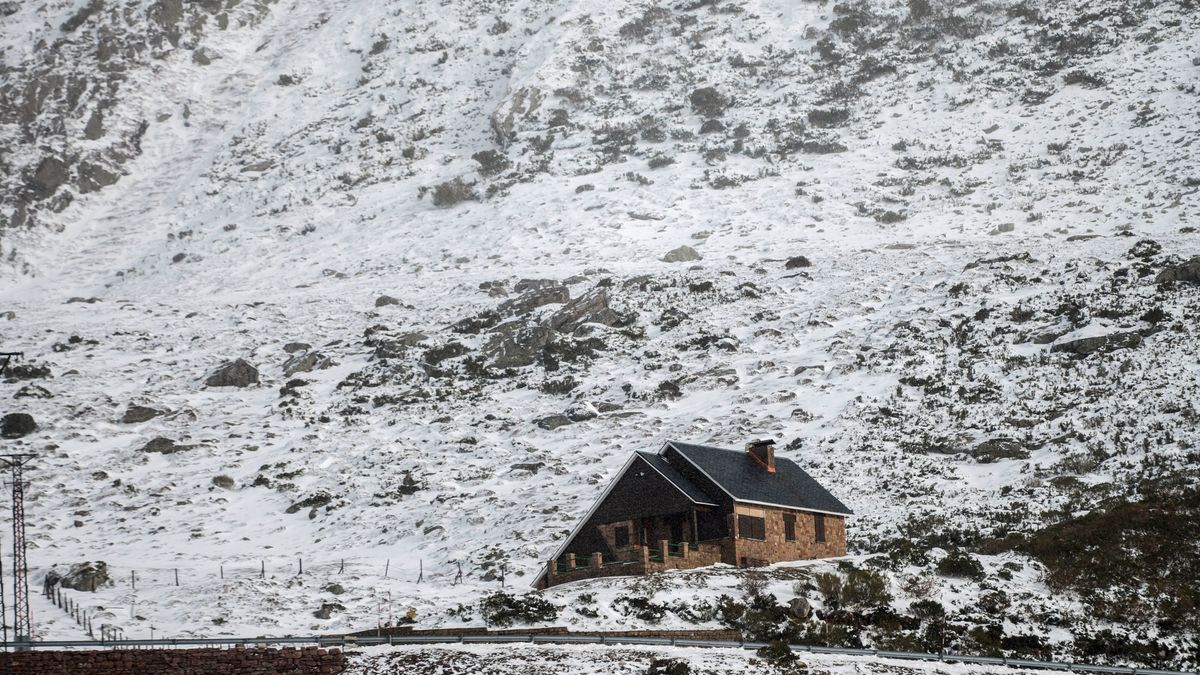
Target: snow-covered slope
{"type": "Point", "coordinates": [970, 185]}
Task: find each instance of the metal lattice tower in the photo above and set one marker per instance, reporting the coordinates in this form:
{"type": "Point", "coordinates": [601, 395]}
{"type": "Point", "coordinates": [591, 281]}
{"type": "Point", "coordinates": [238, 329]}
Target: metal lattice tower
{"type": "Point", "coordinates": [22, 625]}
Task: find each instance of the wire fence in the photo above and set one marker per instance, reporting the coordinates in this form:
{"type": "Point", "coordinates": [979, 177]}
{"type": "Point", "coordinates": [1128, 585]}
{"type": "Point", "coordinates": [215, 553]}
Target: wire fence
{"type": "Point", "coordinates": [344, 641]}
{"type": "Point", "coordinates": [420, 572]}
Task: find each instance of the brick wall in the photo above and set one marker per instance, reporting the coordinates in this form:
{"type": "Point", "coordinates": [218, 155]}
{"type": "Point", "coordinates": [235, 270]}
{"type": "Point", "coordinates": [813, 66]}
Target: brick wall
{"type": "Point", "coordinates": [243, 661]}
{"type": "Point", "coordinates": [776, 548]}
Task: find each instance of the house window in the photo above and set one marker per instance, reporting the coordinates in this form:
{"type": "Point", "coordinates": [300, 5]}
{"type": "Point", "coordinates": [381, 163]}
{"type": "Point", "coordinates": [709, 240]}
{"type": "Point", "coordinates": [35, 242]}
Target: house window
{"type": "Point", "coordinates": [751, 527]}
{"type": "Point", "coordinates": [789, 527]}
{"type": "Point", "coordinates": [819, 527]}
{"type": "Point", "coordinates": [621, 537]}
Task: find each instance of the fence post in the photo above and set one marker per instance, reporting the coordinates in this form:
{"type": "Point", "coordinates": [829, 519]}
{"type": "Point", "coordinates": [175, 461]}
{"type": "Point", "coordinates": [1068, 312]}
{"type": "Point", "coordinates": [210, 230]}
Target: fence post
{"type": "Point", "coordinates": [222, 568]}
{"type": "Point", "coordinates": [132, 580]}
{"type": "Point", "coordinates": [386, 566]}
{"type": "Point", "coordinates": [342, 567]}
{"type": "Point", "coordinates": [262, 573]}
{"type": "Point", "coordinates": [301, 565]}
{"type": "Point", "coordinates": [421, 574]}
{"type": "Point", "coordinates": [176, 576]}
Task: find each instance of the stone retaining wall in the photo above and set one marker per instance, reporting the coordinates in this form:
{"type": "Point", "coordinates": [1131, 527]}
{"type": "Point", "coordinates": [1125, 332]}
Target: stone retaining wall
{"type": "Point", "coordinates": [240, 660]}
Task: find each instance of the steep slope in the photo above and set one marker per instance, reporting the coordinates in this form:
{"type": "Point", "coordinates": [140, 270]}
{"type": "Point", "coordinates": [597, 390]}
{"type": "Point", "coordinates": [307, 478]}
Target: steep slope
{"type": "Point", "coordinates": [974, 188]}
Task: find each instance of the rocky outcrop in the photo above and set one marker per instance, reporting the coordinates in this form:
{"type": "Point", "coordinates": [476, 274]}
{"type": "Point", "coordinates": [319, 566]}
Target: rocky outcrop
{"type": "Point", "coordinates": [305, 363]}
{"type": "Point", "coordinates": [1099, 345]}
{"type": "Point", "coordinates": [534, 298]}
{"type": "Point", "coordinates": [1188, 272]}
{"type": "Point", "coordinates": [995, 449]}
{"type": "Point", "coordinates": [237, 373]}
{"type": "Point", "coordinates": [519, 343]}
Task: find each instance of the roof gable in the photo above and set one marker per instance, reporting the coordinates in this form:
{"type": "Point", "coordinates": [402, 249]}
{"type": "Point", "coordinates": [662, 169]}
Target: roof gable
{"type": "Point", "coordinates": [744, 480]}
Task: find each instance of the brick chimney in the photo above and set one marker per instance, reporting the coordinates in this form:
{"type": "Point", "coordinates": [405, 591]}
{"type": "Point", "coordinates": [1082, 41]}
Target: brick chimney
{"type": "Point", "coordinates": [763, 452]}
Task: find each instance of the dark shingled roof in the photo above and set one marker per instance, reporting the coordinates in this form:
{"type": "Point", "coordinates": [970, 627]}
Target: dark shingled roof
{"type": "Point", "coordinates": [685, 486]}
{"type": "Point", "coordinates": [745, 479]}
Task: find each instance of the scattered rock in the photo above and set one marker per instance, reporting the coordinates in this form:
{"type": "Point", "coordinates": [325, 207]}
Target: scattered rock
{"type": "Point", "coordinates": [552, 422]}
{"type": "Point", "coordinates": [796, 262]}
{"type": "Point", "coordinates": [327, 610]}
{"type": "Point", "coordinates": [223, 482]}
{"type": "Point", "coordinates": [682, 254]}
{"type": "Point", "coordinates": [1100, 344]}
{"type": "Point", "coordinates": [531, 467]}
{"type": "Point", "coordinates": [165, 446]}
{"type": "Point", "coordinates": [386, 300]}
{"type": "Point", "coordinates": [293, 347]}
{"type": "Point", "coordinates": [334, 588]}
{"type": "Point", "coordinates": [1003, 228]}
{"type": "Point", "coordinates": [305, 363]}
{"type": "Point", "coordinates": [1187, 272]}
{"type": "Point", "coordinates": [995, 449]}
{"type": "Point", "coordinates": [236, 373]}
{"type": "Point", "coordinates": [33, 391]}
{"type": "Point", "coordinates": [136, 414]}
{"type": "Point", "coordinates": [16, 425]}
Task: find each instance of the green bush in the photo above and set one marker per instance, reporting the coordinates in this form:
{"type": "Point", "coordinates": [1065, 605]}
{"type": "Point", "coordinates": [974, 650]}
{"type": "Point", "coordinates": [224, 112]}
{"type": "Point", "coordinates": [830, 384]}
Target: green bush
{"type": "Point", "coordinates": [960, 564]}
{"type": "Point", "coordinates": [708, 102]}
{"type": "Point", "coordinates": [452, 192]}
{"type": "Point", "coordinates": [830, 586]}
{"type": "Point", "coordinates": [502, 609]}
{"type": "Point", "coordinates": [641, 608]}
{"type": "Point", "coordinates": [865, 588]}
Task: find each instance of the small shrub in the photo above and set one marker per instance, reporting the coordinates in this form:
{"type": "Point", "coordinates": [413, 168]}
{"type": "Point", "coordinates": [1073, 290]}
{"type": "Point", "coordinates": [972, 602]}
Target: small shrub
{"type": "Point", "coordinates": [490, 163]}
{"type": "Point", "coordinates": [777, 652]}
{"type": "Point", "coordinates": [866, 588]}
{"type": "Point", "coordinates": [641, 608]}
{"type": "Point", "coordinates": [960, 564]}
{"type": "Point", "coordinates": [502, 609]}
{"type": "Point", "coordinates": [668, 667]}
{"type": "Point", "coordinates": [708, 102]}
{"type": "Point", "coordinates": [753, 582]}
{"type": "Point", "coordinates": [830, 586]}
{"type": "Point", "coordinates": [453, 192]}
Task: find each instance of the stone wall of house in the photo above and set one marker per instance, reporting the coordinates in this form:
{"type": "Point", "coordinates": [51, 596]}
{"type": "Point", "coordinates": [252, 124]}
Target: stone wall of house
{"type": "Point", "coordinates": [776, 547]}
{"type": "Point", "coordinates": [243, 661]}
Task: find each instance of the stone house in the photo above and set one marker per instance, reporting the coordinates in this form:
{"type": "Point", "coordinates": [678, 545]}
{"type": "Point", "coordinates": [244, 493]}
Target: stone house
{"type": "Point", "coordinates": [692, 505]}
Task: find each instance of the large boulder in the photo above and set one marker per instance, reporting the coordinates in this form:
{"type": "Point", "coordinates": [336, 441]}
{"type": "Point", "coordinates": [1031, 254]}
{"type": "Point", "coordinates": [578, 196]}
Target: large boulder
{"type": "Point", "coordinates": [1187, 272]}
{"type": "Point", "coordinates": [236, 373]}
{"type": "Point", "coordinates": [682, 254]}
{"type": "Point", "coordinates": [1099, 345]}
{"type": "Point", "coordinates": [165, 446]}
{"type": "Point", "coordinates": [84, 576]}
{"type": "Point", "coordinates": [136, 414]}
{"type": "Point", "coordinates": [16, 425]}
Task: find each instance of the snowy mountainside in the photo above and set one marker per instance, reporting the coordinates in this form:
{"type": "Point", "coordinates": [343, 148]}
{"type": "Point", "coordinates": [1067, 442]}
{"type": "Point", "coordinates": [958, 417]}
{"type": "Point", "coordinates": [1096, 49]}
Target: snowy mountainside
{"type": "Point", "coordinates": [974, 188]}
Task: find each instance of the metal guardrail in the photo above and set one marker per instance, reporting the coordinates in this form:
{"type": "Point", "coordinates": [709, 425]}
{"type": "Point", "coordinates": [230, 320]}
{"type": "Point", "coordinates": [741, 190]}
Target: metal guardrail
{"type": "Point", "coordinates": [363, 641]}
